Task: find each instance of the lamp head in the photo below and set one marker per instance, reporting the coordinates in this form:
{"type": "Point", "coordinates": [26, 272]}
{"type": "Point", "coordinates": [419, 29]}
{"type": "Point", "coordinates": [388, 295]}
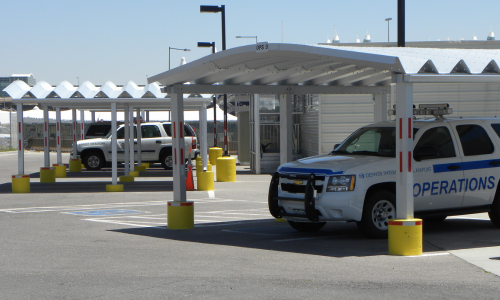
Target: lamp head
{"type": "Point", "coordinates": [209, 9]}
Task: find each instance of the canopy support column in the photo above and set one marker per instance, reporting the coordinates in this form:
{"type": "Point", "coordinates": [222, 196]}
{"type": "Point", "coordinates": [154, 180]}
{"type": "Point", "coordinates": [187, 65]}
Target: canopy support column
{"type": "Point", "coordinates": [126, 139]}
{"type": "Point", "coordinates": [20, 133]}
{"type": "Point", "coordinates": [58, 135]}
{"type": "Point", "coordinates": [46, 151]}
{"type": "Point", "coordinates": [404, 147]}
{"type": "Point", "coordinates": [286, 128]}
{"type": "Point", "coordinates": [380, 107]}
{"type": "Point", "coordinates": [82, 125]}
{"type": "Point", "coordinates": [179, 175]}
{"type": "Point", "coordinates": [73, 119]}
{"type": "Point", "coordinates": [256, 131]}
{"type": "Point", "coordinates": [114, 157]}
{"type": "Point", "coordinates": [139, 138]}
{"type": "Point", "coordinates": [132, 135]}
{"type": "Point", "coordinates": [203, 135]}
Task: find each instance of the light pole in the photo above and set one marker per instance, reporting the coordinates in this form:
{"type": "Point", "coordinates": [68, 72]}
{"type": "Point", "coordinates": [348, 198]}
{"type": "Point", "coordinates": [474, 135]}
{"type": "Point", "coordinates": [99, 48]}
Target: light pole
{"type": "Point", "coordinates": [170, 48]}
{"type": "Point", "coordinates": [208, 45]}
{"type": "Point", "coordinates": [216, 9]}
{"type": "Point", "coordinates": [247, 37]}
{"type": "Point", "coordinates": [388, 19]}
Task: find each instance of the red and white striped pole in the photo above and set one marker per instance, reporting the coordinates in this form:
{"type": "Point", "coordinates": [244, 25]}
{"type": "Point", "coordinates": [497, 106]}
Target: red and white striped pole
{"type": "Point", "coordinates": [58, 135]}
{"type": "Point", "coordinates": [404, 147]}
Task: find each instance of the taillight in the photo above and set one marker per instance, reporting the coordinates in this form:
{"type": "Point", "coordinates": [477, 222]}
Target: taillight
{"type": "Point", "coordinates": [193, 144]}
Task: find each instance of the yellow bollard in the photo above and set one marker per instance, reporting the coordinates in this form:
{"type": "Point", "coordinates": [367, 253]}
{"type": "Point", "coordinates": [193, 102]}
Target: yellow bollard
{"type": "Point", "coordinates": [205, 181]}
{"type": "Point", "coordinates": [75, 165]}
{"type": "Point", "coordinates": [140, 168]}
{"type": "Point", "coordinates": [145, 165]}
{"type": "Point", "coordinates": [47, 175]}
{"type": "Point", "coordinates": [199, 167]}
{"type": "Point", "coordinates": [134, 173]}
{"type": "Point", "coordinates": [213, 154]}
{"type": "Point", "coordinates": [20, 183]}
{"type": "Point", "coordinates": [60, 170]}
{"type": "Point", "coordinates": [114, 187]}
{"type": "Point", "coordinates": [180, 215]}
{"type": "Point", "coordinates": [226, 169]}
{"type": "Point", "coordinates": [126, 178]}
{"type": "Point", "coordinates": [405, 237]}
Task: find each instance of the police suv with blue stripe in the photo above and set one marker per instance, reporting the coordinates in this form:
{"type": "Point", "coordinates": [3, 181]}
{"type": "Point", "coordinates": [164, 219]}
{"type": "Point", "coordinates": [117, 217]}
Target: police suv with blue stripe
{"type": "Point", "coordinates": [456, 170]}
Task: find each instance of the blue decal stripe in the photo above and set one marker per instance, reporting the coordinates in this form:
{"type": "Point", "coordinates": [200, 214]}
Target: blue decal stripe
{"type": "Point", "coordinates": [469, 165]}
{"type": "Point", "coordinates": [308, 171]}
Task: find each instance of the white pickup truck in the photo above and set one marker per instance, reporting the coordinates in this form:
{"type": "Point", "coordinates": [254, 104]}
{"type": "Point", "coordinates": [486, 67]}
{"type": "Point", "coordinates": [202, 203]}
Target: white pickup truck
{"type": "Point", "coordinates": [456, 170]}
{"type": "Point", "coordinates": [156, 146]}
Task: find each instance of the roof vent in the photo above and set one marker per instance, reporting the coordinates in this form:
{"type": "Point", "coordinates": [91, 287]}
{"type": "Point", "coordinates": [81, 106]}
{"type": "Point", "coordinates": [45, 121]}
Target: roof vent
{"type": "Point", "coordinates": [367, 39]}
{"type": "Point", "coordinates": [491, 36]}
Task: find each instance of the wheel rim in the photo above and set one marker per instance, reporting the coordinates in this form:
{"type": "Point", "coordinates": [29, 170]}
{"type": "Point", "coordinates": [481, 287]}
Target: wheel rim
{"type": "Point", "coordinates": [169, 161]}
{"type": "Point", "coordinates": [382, 212]}
{"type": "Point", "coordinates": [93, 161]}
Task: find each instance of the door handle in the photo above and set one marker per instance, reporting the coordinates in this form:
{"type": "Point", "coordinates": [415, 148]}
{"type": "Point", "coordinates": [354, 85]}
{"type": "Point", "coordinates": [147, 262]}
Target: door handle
{"type": "Point", "coordinates": [453, 167]}
{"type": "Point", "coordinates": [158, 142]}
{"type": "Point", "coordinates": [494, 163]}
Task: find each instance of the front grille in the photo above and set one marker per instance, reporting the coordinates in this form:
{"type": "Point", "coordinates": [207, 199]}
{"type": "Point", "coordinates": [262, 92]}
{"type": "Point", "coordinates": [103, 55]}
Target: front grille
{"type": "Point", "coordinates": [298, 189]}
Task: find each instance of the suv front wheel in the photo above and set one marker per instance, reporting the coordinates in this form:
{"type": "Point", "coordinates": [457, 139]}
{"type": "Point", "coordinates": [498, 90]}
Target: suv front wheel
{"type": "Point", "coordinates": [378, 209]}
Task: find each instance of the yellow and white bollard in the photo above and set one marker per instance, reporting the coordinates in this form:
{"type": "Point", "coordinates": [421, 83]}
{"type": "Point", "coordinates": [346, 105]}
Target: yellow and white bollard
{"type": "Point", "coordinates": [405, 237]}
{"type": "Point", "coordinates": [114, 188]}
{"type": "Point", "coordinates": [126, 178]}
{"type": "Point", "coordinates": [20, 183]}
{"type": "Point", "coordinates": [75, 165]}
{"type": "Point", "coordinates": [213, 154]}
{"type": "Point", "coordinates": [47, 174]}
{"type": "Point", "coordinates": [226, 169]}
{"type": "Point", "coordinates": [205, 181]}
{"type": "Point", "coordinates": [60, 170]}
{"type": "Point", "coordinates": [180, 215]}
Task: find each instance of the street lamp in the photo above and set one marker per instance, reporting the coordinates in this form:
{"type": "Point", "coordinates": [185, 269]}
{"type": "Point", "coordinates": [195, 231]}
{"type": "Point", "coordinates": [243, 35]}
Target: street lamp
{"type": "Point", "coordinates": [247, 37]}
{"type": "Point", "coordinates": [388, 19]}
{"type": "Point", "coordinates": [170, 48]}
{"type": "Point", "coordinates": [208, 45]}
{"type": "Point", "coordinates": [216, 9]}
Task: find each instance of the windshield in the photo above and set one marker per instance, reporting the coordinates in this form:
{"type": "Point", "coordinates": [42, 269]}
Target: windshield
{"type": "Point", "coordinates": [379, 141]}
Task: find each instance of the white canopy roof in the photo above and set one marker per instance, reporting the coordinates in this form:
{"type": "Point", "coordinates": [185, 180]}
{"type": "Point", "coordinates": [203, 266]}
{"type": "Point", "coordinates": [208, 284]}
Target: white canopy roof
{"type": "Point", "coordinates": [326, 68]}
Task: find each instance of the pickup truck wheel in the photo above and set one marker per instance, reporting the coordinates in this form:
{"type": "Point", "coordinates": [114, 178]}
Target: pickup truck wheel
{"type": "Point", "coordinates": [306, 226]}
{"type": "Point", "coordinates": [378, 209]}
{"type": "Point", "coordinates": [167, 162]}
{"type": "Point", "coordinates": [94, 161]}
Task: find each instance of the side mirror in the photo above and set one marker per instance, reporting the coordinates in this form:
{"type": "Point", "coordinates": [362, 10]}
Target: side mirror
{"type": "Point", "coordinates": [335, 146]}
{"type": "Point", "coordinates": [425, 152]}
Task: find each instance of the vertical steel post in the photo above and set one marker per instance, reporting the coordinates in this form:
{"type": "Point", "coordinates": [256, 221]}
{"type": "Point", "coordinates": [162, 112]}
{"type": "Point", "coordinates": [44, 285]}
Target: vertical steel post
{"type": "Point", "coordinates": [139, 138]}
{"type": "Point", "coordinates": [132, 136]}
{"type": "Point", "coordinates": [73, 119]}
{"type": "Point", "coordinates": [202, 134]}
{"type": "Point", "coordinates": [404, 147]}
{"type": "Point", "coordinates": [225, 126]}
{"type": "Point", "coordinates": [46, 150]}
{"type": "Point", "coordinates": [126, 155]}
{"type": "Point", "coordinates": [58, 135]}
{"type": "Point", "coordinates": [401, 23]}
{"type": "Point", "coordinates": [20, 139]}
{"type": "Point", "coordinates": [215, 122]}
{"type": "Point", "coordinates": [82, 124]}
{"type": "Point", "coordinates": [256, 131]}
{"type": "Point", "coordinates": [114, 158]}
{"type": "Point", "coordinates": [286, 128]}
{"type": "Point", "coordinates": [179, 175]}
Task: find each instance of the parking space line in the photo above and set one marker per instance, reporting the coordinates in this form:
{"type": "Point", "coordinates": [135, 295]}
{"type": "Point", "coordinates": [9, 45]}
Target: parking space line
{"type": "Point", "coordinates": [429, 254]}
{"type": "Point", "coordinates": [308, 238]}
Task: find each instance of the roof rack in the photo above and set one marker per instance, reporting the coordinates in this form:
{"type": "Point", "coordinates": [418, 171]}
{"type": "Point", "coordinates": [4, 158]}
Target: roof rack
{"type": "Point", "coordinates": [436, 110]}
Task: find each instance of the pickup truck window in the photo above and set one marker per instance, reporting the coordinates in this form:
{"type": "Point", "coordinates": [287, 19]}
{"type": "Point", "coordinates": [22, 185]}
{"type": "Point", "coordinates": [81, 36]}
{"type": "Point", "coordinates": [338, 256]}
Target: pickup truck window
{"type": "Point", "coordinates": [474, 140]}
{"type": "Point", "coordinates": [437, 143]}
{"type": "Point", "coordinates": [150, 131]}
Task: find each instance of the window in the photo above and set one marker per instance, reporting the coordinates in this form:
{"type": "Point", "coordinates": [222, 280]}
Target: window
{"type": "Point", "coordinates": [167, 129]}
{"type": "Point", "coordinates": [496, 127]}
{"type": "Point", "coordinates": [434, 143]}
{"type": "Point", "coordinates": [121, 133]}
{"type": "Point", "coordinates": [150, 131]}
{"type": "Point", "coordinates": [475, 140]}
{"type": "Point", "coordinates": [98, 130]}
{"type": "Point", "coordinates": [188, 131]}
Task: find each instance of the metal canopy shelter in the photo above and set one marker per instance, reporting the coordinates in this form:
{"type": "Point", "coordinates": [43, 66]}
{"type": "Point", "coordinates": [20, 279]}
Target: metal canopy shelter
{"type": "Point", "coordinates": [288, 69]}
{"type": "Point", "coordinates": [89, 97]}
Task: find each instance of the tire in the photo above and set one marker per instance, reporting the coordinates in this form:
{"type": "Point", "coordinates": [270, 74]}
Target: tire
{"type": "Point", "coordinates": [94, 161]}
{"type": "Point", "coordinates": [378, 209]}
{"type": "Point", "coordinates": [435, 219]}
{"type": "Point", "coordinates": [494, 213]}
{"type": "Point", "coordinates": [167, 162]}
{"type": "Point", "coordinates": [307, 226]}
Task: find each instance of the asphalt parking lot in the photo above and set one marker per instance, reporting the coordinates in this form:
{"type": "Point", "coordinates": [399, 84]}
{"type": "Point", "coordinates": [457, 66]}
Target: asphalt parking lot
{"type": "Point", "coordinates": [72, 240]}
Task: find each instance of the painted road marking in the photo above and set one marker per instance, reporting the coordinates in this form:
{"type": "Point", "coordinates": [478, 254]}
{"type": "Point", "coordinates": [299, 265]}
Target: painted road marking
{"type": "Point", "coordinates": [106, 212]}
{"type": "Point", "coordinates": [429, 254]}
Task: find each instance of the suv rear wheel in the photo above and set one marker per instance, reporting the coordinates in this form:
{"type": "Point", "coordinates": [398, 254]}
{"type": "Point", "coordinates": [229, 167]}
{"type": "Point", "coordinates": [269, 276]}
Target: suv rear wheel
{"type": "Point", "coordinates": [167, 162]}
{"type": "Point", "coordinates": [93, 160]}
{"type": "Point", "coordinates": [378, 209]}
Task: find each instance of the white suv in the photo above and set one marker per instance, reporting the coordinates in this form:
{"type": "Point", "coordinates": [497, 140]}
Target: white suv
{"type": "Point", "coordinates": [156, 146]}
{"type": "Point", "coordinates": [456, 169]}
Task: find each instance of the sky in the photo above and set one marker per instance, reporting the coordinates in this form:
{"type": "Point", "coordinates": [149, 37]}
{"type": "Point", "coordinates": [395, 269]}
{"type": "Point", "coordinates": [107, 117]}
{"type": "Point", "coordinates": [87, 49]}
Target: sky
{"type": "Point", "coordinates": [119, 41]}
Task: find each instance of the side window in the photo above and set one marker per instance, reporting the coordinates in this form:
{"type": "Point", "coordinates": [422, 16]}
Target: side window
{"type": "Point", "coordinates": [188, 131]}
{"type": "Point", "coordinates": [496, 127]}
{"type": "Point", "coordinates": [150, 131]}
{"type": "Point", "coordinates": [120, 134]}
{"type": "Point", "coordinates": [474, 140]}
{"type": "Point", "coordinates": [434, 143]}
{"type": "Point", "coordinates": [167, 129]}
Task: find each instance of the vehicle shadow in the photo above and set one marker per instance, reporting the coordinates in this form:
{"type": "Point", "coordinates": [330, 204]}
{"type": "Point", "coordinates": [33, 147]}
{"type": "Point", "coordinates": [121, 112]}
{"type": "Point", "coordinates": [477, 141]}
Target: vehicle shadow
{"type": "Point", "coordinates": [334, 240]}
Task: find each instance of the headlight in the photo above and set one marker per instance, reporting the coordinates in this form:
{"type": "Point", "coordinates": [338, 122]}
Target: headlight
{"type": "Point", "coordinates": [342, 183]}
